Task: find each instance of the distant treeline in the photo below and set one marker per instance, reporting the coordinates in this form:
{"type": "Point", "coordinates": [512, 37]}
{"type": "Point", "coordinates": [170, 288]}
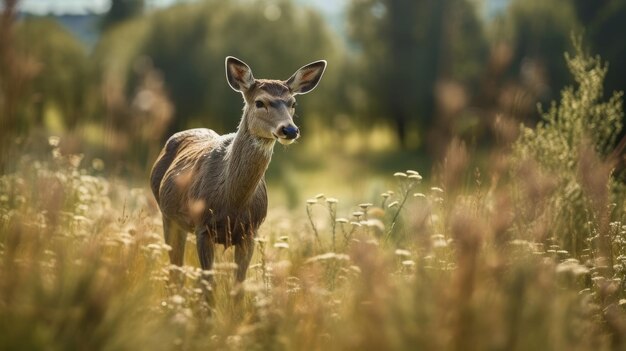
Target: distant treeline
{"type": "Point", "coordinates": [427, 68]}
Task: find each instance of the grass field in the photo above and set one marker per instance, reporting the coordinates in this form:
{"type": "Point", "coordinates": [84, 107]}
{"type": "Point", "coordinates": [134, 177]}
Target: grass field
{"type": "Point", "coordinates": [525, 253]}
{"type": "Point", "coordinates": [84, 267]}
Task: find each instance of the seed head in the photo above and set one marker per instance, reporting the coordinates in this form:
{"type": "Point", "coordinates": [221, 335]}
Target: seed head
{"type": "Point", "coordinates": [401, 252]}
{"type": "Point", "coordinates": [54, 141]}
{"type": "Point", "coordinates": [281, 245]}
{"type": "Point", "coordinates": [357, 214]}
{"type": "Point", "coordinates": [408, 263]}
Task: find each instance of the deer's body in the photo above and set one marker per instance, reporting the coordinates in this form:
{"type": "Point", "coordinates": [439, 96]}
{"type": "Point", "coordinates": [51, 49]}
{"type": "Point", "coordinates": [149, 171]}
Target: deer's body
{"type": "Point", "coordinates": [214, 185]}
{"type": "Point", "coordinates": [212, 182]}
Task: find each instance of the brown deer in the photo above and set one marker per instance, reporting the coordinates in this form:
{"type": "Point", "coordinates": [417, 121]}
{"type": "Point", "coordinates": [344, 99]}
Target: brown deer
{"type": "Point", "coordinates": [214, 184]}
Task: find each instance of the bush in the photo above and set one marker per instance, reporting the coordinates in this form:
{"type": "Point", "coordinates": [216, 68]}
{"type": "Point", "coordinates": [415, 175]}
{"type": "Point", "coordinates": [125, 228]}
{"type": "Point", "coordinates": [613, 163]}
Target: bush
{"type": "Point", "coordinates": [580, 124]}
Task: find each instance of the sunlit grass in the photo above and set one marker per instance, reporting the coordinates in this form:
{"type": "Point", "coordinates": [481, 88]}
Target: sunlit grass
{"type": "Point", "coordinates": [84, 266]}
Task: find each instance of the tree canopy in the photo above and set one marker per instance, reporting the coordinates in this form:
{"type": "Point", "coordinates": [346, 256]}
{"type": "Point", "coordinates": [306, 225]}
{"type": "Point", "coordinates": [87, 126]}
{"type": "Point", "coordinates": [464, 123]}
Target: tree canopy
{"type": "Point", "coordinates": [406, 47]}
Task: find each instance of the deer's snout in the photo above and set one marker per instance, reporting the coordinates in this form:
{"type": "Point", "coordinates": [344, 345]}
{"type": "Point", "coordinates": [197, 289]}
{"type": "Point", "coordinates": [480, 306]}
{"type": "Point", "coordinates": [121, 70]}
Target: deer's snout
{"type": "Point", "coordinates": [287, 134]}
{"type": "Point", "coordinates": [290, 131]}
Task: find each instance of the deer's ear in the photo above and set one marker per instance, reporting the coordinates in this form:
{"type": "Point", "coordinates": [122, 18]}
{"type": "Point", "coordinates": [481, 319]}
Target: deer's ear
{"type": "Point", "coordinates": [238, 74]}
{"type": "Point", "coordinates": [306, 78]}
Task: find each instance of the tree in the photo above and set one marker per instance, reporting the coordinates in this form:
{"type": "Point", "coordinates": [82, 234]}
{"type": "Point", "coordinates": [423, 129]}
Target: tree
{"type": "Point", "coordinates": [406, 47]}
{"type": "Point", "coordinates": [587, 11]}
{"type": "Point", "coordinates": [16, 74]}
{"type": "Point", "coordinates": [188, 43]}
{"type": "Point", "coordinates": [387, 40]}
{"type": "Point", "coordinates": [122, 10]}
{"type": "Point", "coordinates": [605, 30]}
{"type": "Point", "coordinates": [185, 45]}
{"type": "Point", "coordinates": [63, 70]}
{"type": "Point", "coordinates": [539, 32]}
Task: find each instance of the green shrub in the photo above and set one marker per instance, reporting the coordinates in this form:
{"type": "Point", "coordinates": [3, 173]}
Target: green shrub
{"type": "Point", "coordinates": [581, 121]}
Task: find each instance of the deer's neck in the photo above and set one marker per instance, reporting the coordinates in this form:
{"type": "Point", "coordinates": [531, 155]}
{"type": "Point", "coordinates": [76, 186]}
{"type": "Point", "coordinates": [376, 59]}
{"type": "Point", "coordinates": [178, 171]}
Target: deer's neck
{"type": "Point", "coordinates": [246, 162]}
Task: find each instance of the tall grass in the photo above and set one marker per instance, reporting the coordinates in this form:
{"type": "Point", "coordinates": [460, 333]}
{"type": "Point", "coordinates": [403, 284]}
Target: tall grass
{"type": "Point", "coordinates": [452, 264]}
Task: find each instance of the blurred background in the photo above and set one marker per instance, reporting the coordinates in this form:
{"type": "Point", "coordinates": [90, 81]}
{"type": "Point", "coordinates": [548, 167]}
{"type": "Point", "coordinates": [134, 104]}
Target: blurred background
{"type": "Point", "coordinates": [115, 78]}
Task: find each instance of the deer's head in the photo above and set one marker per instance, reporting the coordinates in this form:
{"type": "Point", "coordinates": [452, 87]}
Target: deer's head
{"type": "Point", "coordinates": [271, 104]}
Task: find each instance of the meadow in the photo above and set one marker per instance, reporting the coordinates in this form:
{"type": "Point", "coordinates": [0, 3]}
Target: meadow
{"type": "Point", "coordinates": [519, 248]}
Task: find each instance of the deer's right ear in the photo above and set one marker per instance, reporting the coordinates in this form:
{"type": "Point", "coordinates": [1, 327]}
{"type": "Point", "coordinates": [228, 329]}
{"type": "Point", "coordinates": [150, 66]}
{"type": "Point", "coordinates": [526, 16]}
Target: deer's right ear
{"type": "Point", "coordinates": [238, 74]}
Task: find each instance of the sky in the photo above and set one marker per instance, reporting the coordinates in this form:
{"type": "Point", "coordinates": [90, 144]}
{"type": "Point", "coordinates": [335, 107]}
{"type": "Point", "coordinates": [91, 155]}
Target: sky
{"type": "Point", "coordinates": [64, 6]}
{"type": "Point", "coordinates": [330, 7]}
{"type": "Point", "coordinates": [99, 6]}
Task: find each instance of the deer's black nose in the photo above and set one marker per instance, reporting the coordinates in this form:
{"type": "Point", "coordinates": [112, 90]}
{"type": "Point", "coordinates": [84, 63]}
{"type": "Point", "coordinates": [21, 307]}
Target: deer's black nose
{"type": "Point", "coordinates": [291, 132]}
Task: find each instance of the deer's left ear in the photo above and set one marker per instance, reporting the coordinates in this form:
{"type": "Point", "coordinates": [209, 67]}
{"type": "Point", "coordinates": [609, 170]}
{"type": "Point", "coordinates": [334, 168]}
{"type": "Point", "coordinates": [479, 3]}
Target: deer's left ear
{"type": "Point", "coordinates": [306, 78]}
{"type": "Point", "coordinates": [238, 74]}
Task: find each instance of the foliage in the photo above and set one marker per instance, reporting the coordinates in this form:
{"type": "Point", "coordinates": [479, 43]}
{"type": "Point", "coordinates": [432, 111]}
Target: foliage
{"type": "Point", "coordinates": [538, 32]}
{"type": "Point", "coordinates": [604, 27]}
{"type": "Point", "coordinates": [122, 10]}
{"type": "Point", "coordinates": [16, 72]}
{"type": "Point", "coordinates": [187, 43]}
{"type": "Point", "coordinates": [407, 47]}
{"type": "Point", "coordinates": [37, 77]}
{"type": "Point", "coordinates": [63, 71]}
{"type": "Point", "coordinates": [580, 121]}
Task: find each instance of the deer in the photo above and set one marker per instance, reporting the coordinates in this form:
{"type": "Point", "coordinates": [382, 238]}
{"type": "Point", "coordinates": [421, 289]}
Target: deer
{"type": "Point", "coordinates": [214, 185]}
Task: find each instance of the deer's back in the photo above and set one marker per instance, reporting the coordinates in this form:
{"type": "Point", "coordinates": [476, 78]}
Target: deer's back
{"type": "Point", "coordinates": [172, 173]}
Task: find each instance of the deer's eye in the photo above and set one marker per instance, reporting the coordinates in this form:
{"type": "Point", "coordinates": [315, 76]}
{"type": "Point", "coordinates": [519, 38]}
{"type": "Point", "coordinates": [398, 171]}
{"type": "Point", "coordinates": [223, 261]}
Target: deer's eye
{"type": "Point", "coordinates": [293, 104]}
{"type": "Point", "coordinates": [259, 104]}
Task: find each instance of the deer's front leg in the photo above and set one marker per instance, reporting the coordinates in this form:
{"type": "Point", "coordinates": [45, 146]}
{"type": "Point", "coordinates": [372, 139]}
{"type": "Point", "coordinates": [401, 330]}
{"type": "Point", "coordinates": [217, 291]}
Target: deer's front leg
{"type": "Point", "coordinates": [206, 248]}
{"type": "Point", "coordinates": [243, 254]}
